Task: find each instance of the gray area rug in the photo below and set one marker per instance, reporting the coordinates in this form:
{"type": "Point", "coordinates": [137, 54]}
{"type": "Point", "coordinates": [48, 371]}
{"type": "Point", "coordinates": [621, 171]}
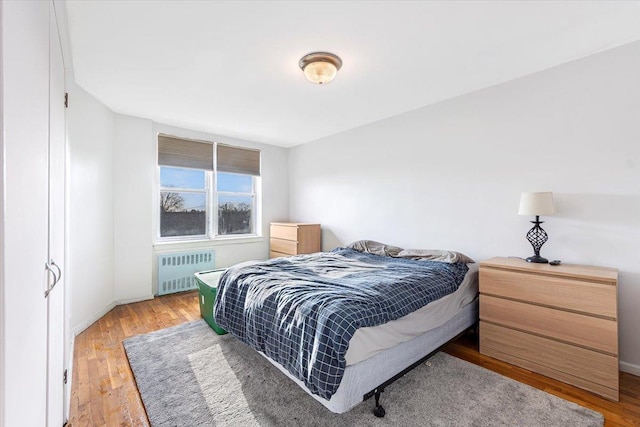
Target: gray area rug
{"type": "Point", "coordinates": [189, 376]}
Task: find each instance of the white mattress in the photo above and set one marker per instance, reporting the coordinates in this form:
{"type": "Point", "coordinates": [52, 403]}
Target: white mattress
{"type": "Point", "coordinates": [367, 342]}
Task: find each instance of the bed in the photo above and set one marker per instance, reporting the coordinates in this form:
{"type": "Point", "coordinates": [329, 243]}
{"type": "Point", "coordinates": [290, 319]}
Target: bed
{"type": "Point", "coordinates": [345, 323]}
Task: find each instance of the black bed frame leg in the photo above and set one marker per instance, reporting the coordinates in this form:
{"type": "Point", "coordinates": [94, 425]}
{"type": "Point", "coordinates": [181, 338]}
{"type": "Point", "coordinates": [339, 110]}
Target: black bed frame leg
{"type": "Point", "coordinates": [476, 329]}
{"type": "Point", "coordinates": [378, 411]}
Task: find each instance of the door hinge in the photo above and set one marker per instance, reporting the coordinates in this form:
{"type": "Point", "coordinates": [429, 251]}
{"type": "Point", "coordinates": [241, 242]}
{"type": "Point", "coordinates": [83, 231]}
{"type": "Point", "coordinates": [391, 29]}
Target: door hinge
{"type": "Point", "coordinates": [64, 377]}
{"type": "Point", "coordinates": [66, 100]}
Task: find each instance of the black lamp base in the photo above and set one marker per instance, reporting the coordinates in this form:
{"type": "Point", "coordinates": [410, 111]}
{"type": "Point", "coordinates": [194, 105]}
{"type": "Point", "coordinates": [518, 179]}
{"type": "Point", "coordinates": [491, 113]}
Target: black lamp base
{"type": "Point", "coordinates": [538, 259]}
{"type": "Point", "coordinates": [537, 237]}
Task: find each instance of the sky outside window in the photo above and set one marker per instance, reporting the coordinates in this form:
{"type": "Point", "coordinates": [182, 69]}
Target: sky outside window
{"type": "Point", "coordinates": [182, 178]}
{"type": "Point", "coordinates": [235, 183]}
{"type": "Point", "coordinates": [194, 201]}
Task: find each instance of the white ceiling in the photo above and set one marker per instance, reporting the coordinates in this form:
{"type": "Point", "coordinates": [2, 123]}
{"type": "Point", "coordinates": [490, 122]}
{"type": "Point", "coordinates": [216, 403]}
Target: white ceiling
{"type": "Point", "coordinates": [231, 68]}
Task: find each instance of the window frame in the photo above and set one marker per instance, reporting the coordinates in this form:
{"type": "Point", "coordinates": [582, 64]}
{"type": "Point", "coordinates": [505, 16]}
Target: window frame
{"type": "Point", "coordinates": [211, 193]}
{"type": "Point", "coordinates": [254, 209]}
{"type": "Point", "coordinates": [207, 194]}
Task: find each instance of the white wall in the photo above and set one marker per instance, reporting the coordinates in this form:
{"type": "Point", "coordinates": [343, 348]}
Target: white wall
{"type": "Point", "coordinates": [133, 170]}
{"type": "Point", "coordinates": [450, 175]}
{"type": "Point", "coordinates": [91, 131]}
{"type": "Point", "coordinates": [2, 209]}
{"type": "Point", "coordinates": [135, 178]}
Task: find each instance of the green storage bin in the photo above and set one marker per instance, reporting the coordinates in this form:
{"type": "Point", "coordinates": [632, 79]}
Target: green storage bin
{"type": "Point", "coordinates": [208, 287]}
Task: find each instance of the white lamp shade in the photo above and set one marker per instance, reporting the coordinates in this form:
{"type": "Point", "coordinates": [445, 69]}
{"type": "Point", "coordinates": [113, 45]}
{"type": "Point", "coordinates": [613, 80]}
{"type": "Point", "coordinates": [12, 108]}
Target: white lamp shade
{"type": "Point", "coordinates": [537, 204]}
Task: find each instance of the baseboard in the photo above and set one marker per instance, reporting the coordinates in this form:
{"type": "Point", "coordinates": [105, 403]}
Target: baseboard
{"type": "Point", "coordinates": [131, 300]}
{"type": "Point", "coordinates": [84, 325]}
{"type": "Point", "coordinates": [630, 368]}
{"type": "Point", "coordinates": [93, 319]}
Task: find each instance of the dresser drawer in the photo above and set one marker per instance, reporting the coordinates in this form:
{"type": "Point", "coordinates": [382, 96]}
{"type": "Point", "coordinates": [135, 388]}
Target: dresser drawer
{"type": "Point", "coordinates": [586, 331]}
{"type": "Point", "coordinates": [286, 232]}
{"type": "Point", "coordinates": [284, 246]}
{"type": "Point", "coordinates": [584, 368]}
{"type": "Point", "coordinates": [273, 254]}
{"type": "Point", "coordinates": [558, 321]}
{"type": "Point", "coordinates": [582, 296]}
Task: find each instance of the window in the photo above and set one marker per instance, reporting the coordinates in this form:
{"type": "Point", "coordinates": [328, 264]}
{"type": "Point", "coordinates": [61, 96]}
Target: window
{"type": "Point", "coordinates": [236, 203]}
{"type": "Point", "coordinates": [183, 202]}
{"type": "Point", "coordinates": [202, 199]}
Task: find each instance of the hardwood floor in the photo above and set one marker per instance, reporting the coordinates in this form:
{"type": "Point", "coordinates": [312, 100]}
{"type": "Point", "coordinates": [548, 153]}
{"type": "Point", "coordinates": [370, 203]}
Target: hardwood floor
{"type": "Point", "coordinates": [103, 391]}
{"type": "Point", "coordinates": [105, 394]}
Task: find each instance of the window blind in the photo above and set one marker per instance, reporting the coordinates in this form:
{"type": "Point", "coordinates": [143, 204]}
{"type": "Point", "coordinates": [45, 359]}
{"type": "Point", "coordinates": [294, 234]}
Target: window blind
{"type": "Point", "coordinates": [237, 160]}
{"type": "Point", "coordinates": [184, 153]}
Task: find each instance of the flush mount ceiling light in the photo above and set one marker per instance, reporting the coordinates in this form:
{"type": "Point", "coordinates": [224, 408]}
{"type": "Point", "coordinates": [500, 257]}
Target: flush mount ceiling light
{"type": "Point", "coordinates": [320, 67]}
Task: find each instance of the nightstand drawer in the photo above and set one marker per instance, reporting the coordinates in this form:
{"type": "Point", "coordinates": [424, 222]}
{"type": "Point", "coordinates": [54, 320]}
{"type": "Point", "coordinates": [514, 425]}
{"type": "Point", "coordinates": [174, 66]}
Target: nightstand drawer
{"type": "Point", "coordinates": [559, 321]}
{"type": "Point", "coordinates": [584, 368]}
{"type": "Point", "coordinates": [285, 232]}
{"type": "Point", "coordinates": [576, 295]}
{"type": "Point", "coordinates": [586, 331]}
{"type": "Point", "coordinates": [284, 246]}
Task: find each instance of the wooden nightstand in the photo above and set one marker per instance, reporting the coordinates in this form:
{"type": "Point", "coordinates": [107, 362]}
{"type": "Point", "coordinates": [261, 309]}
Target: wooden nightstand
{"type": "Point", "coordinates": [293, 238]}
{"type": "Point", "coordinates": [559, 321]}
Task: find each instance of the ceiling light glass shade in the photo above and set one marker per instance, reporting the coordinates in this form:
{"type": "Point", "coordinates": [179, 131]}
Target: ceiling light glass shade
{"type": "Point", "coordinates": [320, 67]}
{"type": "Point", "coordinates": [320, 72]}
{"type": "Point", "coordinates": [537, 204]}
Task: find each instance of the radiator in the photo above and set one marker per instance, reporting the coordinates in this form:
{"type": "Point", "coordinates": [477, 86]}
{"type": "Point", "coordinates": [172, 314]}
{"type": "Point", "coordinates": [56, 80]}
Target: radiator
{"type": "Point", "coordinates": [175, 270]}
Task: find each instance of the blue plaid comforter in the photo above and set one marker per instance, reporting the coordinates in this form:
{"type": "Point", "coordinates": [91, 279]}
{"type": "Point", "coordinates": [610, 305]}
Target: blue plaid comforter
{"type": "Point", "coordinates": [302, 311]}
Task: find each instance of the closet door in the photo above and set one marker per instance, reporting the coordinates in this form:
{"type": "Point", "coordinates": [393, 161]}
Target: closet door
{"type": "Point", "coordinates": [25, 62]}
{"type": "Point", "coordinates": [55, 296]}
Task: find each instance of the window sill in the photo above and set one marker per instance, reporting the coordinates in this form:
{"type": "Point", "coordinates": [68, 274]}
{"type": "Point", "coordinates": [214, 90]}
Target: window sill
{"type": "Point", "coordinates": [199, 243]}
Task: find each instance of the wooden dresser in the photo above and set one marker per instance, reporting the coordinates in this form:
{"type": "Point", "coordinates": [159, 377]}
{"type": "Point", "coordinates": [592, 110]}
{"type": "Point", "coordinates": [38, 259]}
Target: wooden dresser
{"type": "Point", "coordinates": [559, 321]}
{"type": "Point", "coordinates": [293, 238]}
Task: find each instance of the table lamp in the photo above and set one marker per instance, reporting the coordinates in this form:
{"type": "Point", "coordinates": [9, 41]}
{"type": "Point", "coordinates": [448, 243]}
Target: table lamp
{"type": "Point", "coordinates": [537, 204]}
